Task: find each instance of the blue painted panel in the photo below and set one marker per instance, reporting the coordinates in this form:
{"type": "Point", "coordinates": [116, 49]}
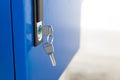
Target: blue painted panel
{"type": "Point", "coordinates": [6, 47]}
{"type": "Point", "coordinates": [32, 63]}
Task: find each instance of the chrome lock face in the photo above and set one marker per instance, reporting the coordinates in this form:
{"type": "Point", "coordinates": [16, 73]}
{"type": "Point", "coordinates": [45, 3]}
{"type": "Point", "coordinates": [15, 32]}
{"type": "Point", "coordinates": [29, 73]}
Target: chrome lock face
{"type": "Point", "coordinates": [39, 31]}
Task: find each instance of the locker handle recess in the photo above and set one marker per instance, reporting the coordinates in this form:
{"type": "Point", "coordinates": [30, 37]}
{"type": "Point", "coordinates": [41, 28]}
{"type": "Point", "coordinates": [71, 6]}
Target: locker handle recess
{"type": "Point", "coordinates": [38, 21]}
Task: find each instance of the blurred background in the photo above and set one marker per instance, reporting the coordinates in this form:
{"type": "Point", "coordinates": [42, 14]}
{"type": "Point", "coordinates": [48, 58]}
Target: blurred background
{"type": "Point", "coordinates": [99, 55]}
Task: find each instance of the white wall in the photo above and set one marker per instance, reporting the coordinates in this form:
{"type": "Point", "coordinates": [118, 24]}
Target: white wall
{"type": "Point", "coordinates": [99, 55]}
{"type": "Point", "coordinates": [100, 25]}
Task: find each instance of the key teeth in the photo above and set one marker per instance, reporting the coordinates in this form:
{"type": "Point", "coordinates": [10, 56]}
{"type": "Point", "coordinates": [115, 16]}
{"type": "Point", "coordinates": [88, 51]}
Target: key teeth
{"type": "Point", "coordinates": [52, 60]}
{"type": "Point", "coordinates": [54, 65]}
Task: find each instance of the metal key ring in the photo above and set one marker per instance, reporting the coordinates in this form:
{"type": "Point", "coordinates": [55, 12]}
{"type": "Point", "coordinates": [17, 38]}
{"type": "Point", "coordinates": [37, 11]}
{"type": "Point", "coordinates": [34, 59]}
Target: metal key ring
{"type": "Point", "coordinates": [50, 38]}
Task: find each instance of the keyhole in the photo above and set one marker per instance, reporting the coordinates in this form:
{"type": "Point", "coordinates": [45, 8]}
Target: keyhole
{"type": "Point", "coordinates": [40, 29]}
{"type": "Point", "coordinates": [39, 32]}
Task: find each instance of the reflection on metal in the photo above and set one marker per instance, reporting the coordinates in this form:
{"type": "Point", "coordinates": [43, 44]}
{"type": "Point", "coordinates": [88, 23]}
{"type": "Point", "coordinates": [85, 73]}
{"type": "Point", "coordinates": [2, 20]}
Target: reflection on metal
{"type": "Point", "coordinates": [39, 31]}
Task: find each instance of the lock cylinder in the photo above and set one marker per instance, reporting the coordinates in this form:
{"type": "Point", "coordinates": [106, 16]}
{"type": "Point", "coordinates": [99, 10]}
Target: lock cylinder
{"type": "Point", "coordinates": [39, 31]}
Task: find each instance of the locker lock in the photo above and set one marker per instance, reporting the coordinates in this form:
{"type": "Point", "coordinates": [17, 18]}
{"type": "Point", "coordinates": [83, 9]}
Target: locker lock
{"type": "Point", "coordinates": [38, 21]}
{"type": "Point", "coordinates": [40, 31]}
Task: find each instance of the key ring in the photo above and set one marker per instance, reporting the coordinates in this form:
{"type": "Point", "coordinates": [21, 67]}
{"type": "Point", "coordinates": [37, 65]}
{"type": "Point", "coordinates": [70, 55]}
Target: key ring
{"type": "Point", "coordinates": [50, 38]}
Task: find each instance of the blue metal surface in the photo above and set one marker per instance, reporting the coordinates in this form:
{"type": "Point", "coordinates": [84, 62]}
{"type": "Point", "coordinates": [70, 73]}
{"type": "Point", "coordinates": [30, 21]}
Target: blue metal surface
{"type": "Point", "coordinates": [6, 47]}
{"type": "Point", "coordinates": [32, 63]}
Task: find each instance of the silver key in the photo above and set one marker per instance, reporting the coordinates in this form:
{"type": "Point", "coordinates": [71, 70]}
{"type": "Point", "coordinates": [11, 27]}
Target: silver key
{"type": "Point", "coordinates": [49, 48]}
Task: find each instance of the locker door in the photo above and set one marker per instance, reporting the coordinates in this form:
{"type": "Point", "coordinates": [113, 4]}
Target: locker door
{"type": "Point", "coordinates": [32, 63]}
{"type": "Point", "coordinates": [6, 43]}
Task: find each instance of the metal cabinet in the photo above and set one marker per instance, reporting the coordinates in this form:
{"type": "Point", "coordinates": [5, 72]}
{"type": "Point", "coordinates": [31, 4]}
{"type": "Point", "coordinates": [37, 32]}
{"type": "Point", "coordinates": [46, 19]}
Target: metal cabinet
{"type": "Point", "coordinates": [22, 59]}
{"type": "Point", "coordinates": [6, 42]}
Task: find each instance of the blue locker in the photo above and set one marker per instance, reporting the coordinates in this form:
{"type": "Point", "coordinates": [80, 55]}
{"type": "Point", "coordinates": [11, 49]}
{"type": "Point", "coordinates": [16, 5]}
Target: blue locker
{"type": "Point", "coordinates": [6, 42]}
{"type": "Point", "coordinates": [29, 62]}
